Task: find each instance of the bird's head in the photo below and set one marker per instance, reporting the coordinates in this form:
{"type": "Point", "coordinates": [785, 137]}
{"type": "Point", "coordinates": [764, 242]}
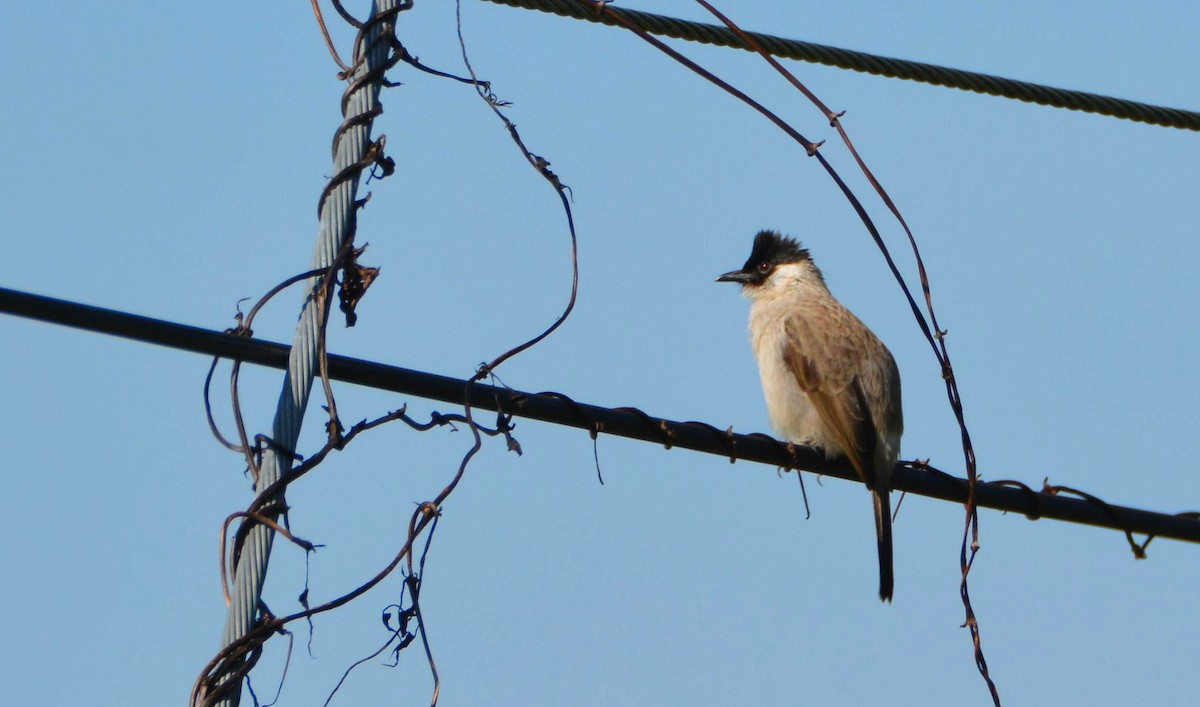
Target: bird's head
{"type": "Point", "coordinates": [774, 260]}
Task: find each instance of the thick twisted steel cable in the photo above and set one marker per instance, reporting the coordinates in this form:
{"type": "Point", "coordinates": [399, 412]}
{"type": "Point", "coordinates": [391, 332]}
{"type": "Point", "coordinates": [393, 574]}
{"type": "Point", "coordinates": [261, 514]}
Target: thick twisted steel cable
{"type": "Point", "coordinates": [879, 65]}
{"type": "Point", "coordinates": [336, 226]}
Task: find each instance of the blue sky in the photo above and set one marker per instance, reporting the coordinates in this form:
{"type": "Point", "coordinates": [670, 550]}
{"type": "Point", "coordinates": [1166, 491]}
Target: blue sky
{"type": "Point", "coordinates": [166, 159]}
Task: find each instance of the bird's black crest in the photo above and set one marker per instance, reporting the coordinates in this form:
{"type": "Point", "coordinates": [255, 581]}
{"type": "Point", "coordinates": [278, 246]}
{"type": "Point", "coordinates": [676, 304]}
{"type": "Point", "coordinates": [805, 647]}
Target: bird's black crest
{"type": "Point", "coordinates": [777, 249]}
{"type": "Point", "coordinates": [771, 249]}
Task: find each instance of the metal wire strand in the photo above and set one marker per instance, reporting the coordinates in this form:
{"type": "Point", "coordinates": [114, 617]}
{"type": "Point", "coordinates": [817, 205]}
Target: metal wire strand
{"type": "Point", "coordinates": [352, 146]}
{"type": "Point", "coordinates": [877, 65]}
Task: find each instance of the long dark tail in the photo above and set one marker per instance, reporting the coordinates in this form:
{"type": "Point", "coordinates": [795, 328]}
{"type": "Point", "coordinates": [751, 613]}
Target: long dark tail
{"type": "Point", "coordinates": [883, 535]}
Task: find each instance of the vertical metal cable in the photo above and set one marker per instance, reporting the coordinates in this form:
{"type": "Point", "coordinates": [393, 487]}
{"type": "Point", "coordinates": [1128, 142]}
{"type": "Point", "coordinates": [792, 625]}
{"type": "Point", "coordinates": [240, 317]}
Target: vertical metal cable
{"type": "Point", "coordinates": [337, 220]}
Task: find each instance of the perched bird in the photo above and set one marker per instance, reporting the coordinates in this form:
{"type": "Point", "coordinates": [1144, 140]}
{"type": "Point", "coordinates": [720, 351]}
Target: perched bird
{"type": "Point", "coordinates": [828, 380]}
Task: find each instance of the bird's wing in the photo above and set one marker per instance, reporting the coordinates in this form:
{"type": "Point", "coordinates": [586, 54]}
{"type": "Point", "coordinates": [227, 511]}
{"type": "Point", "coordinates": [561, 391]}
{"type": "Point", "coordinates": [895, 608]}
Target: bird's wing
{"type": "Point", "coordinates": [824, 368]}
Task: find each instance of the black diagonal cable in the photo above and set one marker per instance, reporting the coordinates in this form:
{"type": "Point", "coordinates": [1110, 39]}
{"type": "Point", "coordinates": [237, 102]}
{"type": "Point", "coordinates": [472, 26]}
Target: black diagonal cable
{"type": "Point", "coordinates": [623, 422]}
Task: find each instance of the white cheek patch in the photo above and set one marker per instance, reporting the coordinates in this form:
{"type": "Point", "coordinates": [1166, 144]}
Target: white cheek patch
{"type": "Point", "coordinates": [787, 272]}
{"type": "Point", "coordinates": [779, 280]}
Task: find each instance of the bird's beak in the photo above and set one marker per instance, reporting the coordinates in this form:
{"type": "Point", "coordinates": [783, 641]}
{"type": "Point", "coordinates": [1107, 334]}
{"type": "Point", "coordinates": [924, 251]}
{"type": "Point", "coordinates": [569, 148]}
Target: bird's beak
{"type": "Point", "coordinates": [735, 276]}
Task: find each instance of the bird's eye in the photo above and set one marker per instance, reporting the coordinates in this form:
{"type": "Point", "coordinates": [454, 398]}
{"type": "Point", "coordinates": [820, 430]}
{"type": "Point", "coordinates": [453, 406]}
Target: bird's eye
{"type": "Point", "coordinates": [764, 267]}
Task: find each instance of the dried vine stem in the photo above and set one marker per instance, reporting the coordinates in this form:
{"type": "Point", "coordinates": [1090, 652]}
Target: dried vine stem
{"type": "Point", "coordinates": [269, 501]}
{"type": "Point", "coordinates": [933, 334]}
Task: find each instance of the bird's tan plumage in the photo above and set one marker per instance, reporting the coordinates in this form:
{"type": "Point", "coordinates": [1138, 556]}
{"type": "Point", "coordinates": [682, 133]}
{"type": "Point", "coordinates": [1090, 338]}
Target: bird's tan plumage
{"type": "Point", "coordinates": [828, 380]}
{"type": "Point", "coordinates": [836, 393]}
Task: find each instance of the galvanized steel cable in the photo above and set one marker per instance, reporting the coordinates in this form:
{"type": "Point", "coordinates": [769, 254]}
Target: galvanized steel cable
{"type": "Point", "coordinates": [879, 65]}
{"type": "Point", "coordinates": [336, 227]}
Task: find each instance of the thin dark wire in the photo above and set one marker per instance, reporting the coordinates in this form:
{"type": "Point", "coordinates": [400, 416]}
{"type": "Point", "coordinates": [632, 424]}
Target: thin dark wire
{"type": "Point", "coordinates": [878, 65]}
{"type": "Point", "coordinates": [333, 52]}
{"type": "Point", "coordinates": [245, 327]}
{"type": "Point", "coordinates": [416, 584]}
{"type": "Point", "coordinates": [432, 510]}
{"type": "Point", "coordinates": [346, 674]}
